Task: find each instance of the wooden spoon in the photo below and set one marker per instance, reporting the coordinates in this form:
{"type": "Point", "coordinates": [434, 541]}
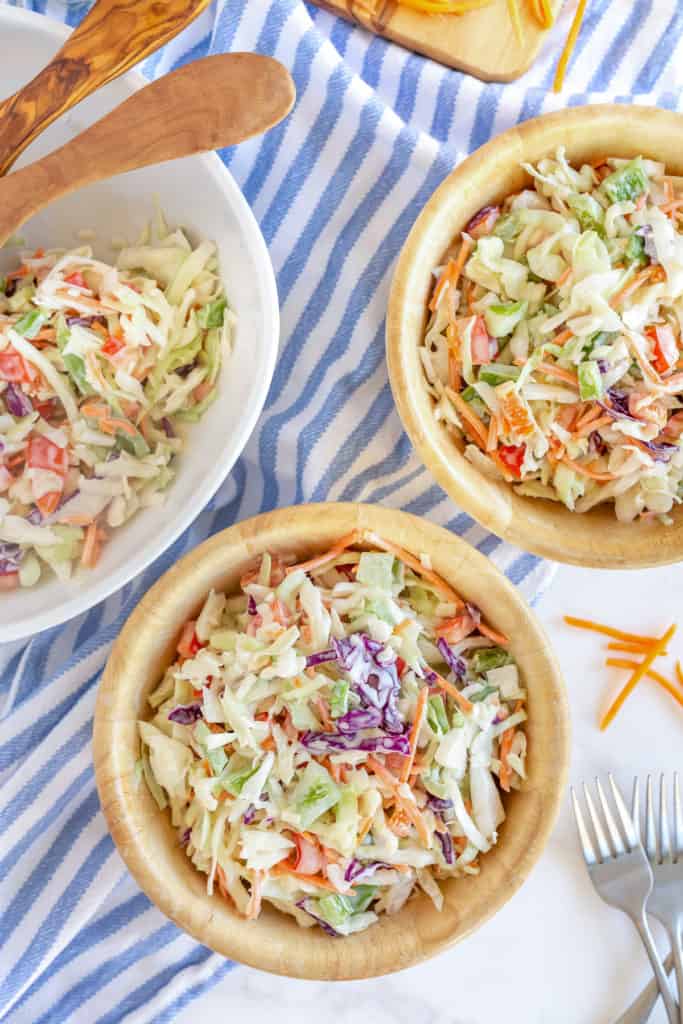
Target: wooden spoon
{"type": "Point", "coordinates": [112, 37]}
{"type": "Point", "coordinates": [214, 102]}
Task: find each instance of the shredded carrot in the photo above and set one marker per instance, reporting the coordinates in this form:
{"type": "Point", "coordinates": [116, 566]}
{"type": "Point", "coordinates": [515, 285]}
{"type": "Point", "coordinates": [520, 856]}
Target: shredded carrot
{"type": "Point", "coordinates": [324, 712]}
{"type": "Point", "coordinates": [412, 812]}
{"type": "Point", "coordinates": [283, 868]}
{"type": "Point", "coordinates": [587, 470]}
{"type": "Point", "coordinates": [90, 552]}
{"type": "Point", "coordinates": [110, 425]}
{"type": "Point", "coordinates": [616, 634]}
{"type": "Point", "coordinates": [492, 634]}
{"type": "Point", "coordinates": [337, 549]}
{"type": "Point", "coordinates": [679, 672]}
{"type": "Point", "coordinates": [268, 743]}
{"type": "Point", "coordinates": [556, 371]}
{"type": "Point", "coordinates": [444, 6]}
{"type": "Point", "coordinates": [76, 520]}
{"type": "Point", "coordinates": [505, 775]}
{"type": "Point", "coordinates": [416, 565]}
{"type": "Point", "coordinates": [631, 286]}
{"type": "Point", "coordinates": [564, 336]}
{"type": "Point", "coordinates": [414, 733]}
{"type": "Point", "coordinates": [591, 425]}
{"type": "Point", "coordinates": [463, 703]}
{"type": "Point", "coordinates": [492, 437]}
{"type": "Point", "coordinates": [655, 651]}
{"type": "Point", "coordinates": [469, 415]}
{"type": "Point", "coordinates": [547, 13]}
{"type": "Point", "coordinates": [630, 648]}
{"type": "Point", "coordinates": [513, 11]}
{"type": "Point", "coordinates": [569, 46]}
{"type": "Point", "coordinates": [657, 676]}
{"type": "Point", "coordinates": [381, 772]}
{"type": "Point", "coordinates": [453, 371]}
{"type": "Point", "coordinates": [94, 411]}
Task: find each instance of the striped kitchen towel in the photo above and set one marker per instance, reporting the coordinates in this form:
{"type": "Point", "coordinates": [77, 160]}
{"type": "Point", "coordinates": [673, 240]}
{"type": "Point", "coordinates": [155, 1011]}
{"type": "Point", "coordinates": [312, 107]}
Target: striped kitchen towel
{"type": "Point", "coordinates": [335, 190]}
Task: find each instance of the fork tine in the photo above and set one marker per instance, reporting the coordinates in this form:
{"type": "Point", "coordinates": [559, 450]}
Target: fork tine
{"type": "Point", "coordinates": [626, 822]}
{"type": "Point", "coordinates": [635, 808]}
{"type": "Point", "coordinates": [588, 851]}
{"type": "Point", "coordinates": [603, 845]}
{"type": "Point", "coordinates": [664, 843]}
{"type": "Point", "coordinates": [650, 831]}
{"type": "Point", "coordinates": [678, 819]}
{"type": "Point", "coordinates": [615, 835]}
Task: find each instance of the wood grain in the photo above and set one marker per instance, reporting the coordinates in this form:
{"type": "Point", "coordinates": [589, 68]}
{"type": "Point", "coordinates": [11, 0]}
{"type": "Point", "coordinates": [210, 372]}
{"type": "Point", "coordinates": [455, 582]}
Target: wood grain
{"type": "Point", "coordinates": [213, 102]}
{"type": "Point", "coordinates": [481, 42]}
{"type": "Point", "coordinates": [546, 528]}
{"type": "Point", "coordinates": [113, 37]}
{"type": "Point", "coordinates": [148, 843]}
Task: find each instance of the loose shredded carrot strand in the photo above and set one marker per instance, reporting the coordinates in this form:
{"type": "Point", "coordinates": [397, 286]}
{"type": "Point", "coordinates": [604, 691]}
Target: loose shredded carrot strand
{"type": "Point", "coordinates": [492, 634]}
{"type": "Point", "coordinates": [556, 371]}
{"type": "Point", "coordinates": [547, 13]}
{"type": "Point", "coordinates": [591, 425]}
{"type": "Point", "coordinates": [414, 733]}
{"type": "Point", "coordinates": [444, 6]}
{"type": "Point", "coordinates": [679, 672]}
{"type": "Point", "coordinates": [283, 868]}
{"type": "Point", "coordinates": [630, 648]}
{"type": "Point", "coordinates": [416, 565]}
{"type": "Point", "coordinates": [651, 674]}
{"type": "Point", "coordinates": [638, 674]}
{"type": "Point", "coordinates": [631, 286]}
{"type": "Point", "coordinates": [616, 634]}
{"type": "Point", "coordinates": [328, 556]}
{"type": "Point", "coordinates": [463, 703]}
{"type": "Point", "coordinates": [569, 46]}
{"type": "Point", "coordinates": [505, 774]}
{"type": "Point", "coordinates": [586, 470]}
{"type": "Point", "coordinates": [470, 416]}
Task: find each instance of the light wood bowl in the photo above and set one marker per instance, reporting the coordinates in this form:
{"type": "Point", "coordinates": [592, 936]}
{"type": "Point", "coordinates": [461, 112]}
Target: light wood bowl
{"type": "Point", "coordinates": [148, 843]}
{"type": "Point", "coordinates": [544, 527]}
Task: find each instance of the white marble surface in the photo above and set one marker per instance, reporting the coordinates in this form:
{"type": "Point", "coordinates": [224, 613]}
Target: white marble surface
{"type": "Point", "coordinates": [555, 954]}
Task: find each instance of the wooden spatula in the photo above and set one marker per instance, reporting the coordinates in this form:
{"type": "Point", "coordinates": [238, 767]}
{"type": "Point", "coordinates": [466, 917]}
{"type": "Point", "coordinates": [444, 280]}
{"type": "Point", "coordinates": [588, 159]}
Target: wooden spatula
{"type": "Point", "coordinates": [112, 37]}
{"type": "Point", "coordinates": [214, 102]}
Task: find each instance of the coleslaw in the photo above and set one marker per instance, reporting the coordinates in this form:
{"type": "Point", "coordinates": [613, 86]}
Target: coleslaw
{"type": "Point", "coordinates": [101, 368]}
{"type": "Point", "coordinates": [554, 341]}
{"type": "Point", "coordinates": [335, 736]}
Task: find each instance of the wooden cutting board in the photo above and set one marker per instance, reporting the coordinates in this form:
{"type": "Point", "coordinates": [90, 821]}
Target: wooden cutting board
{"type": "Point", "coordinates": [481, 42]}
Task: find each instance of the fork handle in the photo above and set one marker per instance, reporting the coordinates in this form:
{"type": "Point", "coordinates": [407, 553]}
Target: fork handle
{"type": "Point", "coordinates": [641, 1008]}
{"type": "Point", "coordinates": [658, 968]}
{"type": "Point", "coordinates": [678, 961]}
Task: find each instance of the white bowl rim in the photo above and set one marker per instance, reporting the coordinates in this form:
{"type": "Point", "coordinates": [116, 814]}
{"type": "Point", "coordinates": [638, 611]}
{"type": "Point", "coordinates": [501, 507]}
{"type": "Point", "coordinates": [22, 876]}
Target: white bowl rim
{"type": "Point", "coordinates": [31, 624]}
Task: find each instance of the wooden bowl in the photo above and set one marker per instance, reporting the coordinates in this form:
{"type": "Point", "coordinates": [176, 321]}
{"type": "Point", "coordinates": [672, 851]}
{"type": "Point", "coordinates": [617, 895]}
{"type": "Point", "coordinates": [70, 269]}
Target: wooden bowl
{"type": "Point", "coordinates": [544, 527]}
{"type": "Point", "coordinates": [148, 843]}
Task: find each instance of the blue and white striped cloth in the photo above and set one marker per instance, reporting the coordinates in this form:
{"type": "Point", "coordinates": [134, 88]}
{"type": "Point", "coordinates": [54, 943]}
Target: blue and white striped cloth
{"type": "Point", "coordinates": [335, 189]}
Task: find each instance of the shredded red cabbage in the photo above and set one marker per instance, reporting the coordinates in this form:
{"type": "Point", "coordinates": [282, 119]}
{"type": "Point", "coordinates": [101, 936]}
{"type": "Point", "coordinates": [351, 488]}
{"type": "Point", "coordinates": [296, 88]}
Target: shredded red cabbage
{"type": "Point", "coordinates": [185, 837]}
{"type": "Point", "coordinates": [167, 427]}
{"type": "Point", "coordinates": [359, 870]}
{"type": "Point", "coordinates": [251, 605]}
{"type": "Point", "coordinates": [446, 846]}
{"type": "Point", "coordinates": [619, 407]}
{"type": "Point", "coordinates": [329, 742]}
{"type": "Point", "coordinates": [309, 906]}
{"type": "Point", "coordinates": [249, 814]}
{"type": "Point", "coordinates": [445, 809]}
{"type": "Point", "coordinates": [456, 664]}
{"type": "Point", "coordinates": [320, 657]}
{"type": "Point", "coordinates": [86, 321]}
{"type": "Point", "coordinates": [18, 404]}
{"type": "Point", "coordinates": [185, 714]}
{"type": "Point", "coordinates": [34, 517]}
{"type": "Point", "coordinates": [359, 718]}
{"type": "Point", "coordinates": [648, 237]}
{"type": "Point", "coordinates": [10, 558]}
{"type": "Point", "coordinates": [375, 681]}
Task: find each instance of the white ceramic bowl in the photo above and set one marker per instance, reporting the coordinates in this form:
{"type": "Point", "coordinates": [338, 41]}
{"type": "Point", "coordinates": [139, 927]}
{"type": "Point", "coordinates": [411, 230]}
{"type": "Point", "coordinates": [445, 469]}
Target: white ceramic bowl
{"type": "Point", "coordinates": [200, 195]}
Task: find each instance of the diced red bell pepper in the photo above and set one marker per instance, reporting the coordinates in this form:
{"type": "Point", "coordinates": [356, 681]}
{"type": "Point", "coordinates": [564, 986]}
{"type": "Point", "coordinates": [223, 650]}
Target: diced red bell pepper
{"type": "Point", "coordinates": [513, 456]}
{"type": "Point", "coordinates": [76, 279]}
{"type": "Point", "coordinates": [400, 666]}
{"type": "Point", "coordinates": [664, 346]}
{"type": "Point", "coordinates": [309, 859]}
{"type": "Point", "coordinates": [15, 369]}
{"type": "Point", "coordinates": [188, 645]}
{"type": "Point", "coordinates": [112, 345]}
{"type": "Point", "coordinates": [44, 454]}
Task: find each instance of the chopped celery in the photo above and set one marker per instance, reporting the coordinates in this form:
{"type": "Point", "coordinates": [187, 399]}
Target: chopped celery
{"type": "Point", "coordinates": [496, 373]}
{"type": "Point", "coordinates": [335, 909]}
{"type": "Point", "coordinates": [339, 698]}
{"type": "Point", "coordinates": [238, 774]}
{"type": "Point", "coordinates": [470, 396]}
{"type": "Point", "coordinates": [315, 793]}
{"type": "Point", "coordinates": [591, 386]}
{"type": "Point", "coordinates": [30, 323]}
{"type": "Point", "coordinates": [628, 182]}
{"type": "Point", "coordinates": [29, 571]}
{"type": "Point", "coordinates": [436, 715]}
{"type": "Point", "coordinates": [588, 212]}
{"type": "Point", "coordinates": [635, 251]}
{"type": "Point", "coordinates": [217, 758]}
{"type": "Point", "coordinates": [21, 296]}
{"type": "Point", "coordinates": [212, 314]}
{"type": "Point", "coordinates": [375, 569]}
{"type": "Point", "coordinates": [487, 658]}
{"type": "Point", "coordinates": [502, 318]}
{"type": "Point", "coordinates": [485, 692]}
{"type": "Point", "coordinates": [507, 227]}
{"type": "Point", "coordinates": [136, 446]}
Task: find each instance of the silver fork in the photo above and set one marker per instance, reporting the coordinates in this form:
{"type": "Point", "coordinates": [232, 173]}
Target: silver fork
{"type": "Point", "coordinates": [666, 860]}
{"type": "Point", "coordinates": [621, 873]}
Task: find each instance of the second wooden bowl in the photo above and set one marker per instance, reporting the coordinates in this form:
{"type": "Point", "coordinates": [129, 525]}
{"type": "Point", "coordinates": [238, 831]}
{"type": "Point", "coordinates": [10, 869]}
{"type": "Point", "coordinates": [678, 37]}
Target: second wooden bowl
{"type": "Point", "coordinates": [148, 843]}
{"type": "Point", "coordinates": [493, 172]}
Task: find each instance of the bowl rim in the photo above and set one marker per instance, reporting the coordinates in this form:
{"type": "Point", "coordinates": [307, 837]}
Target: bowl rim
{"type": "Point", "coordinates": [488, 502]}
{"type": "Point", "coordinates": [115, 741]}
{"type": "Point", "coordinates": [75, 605]}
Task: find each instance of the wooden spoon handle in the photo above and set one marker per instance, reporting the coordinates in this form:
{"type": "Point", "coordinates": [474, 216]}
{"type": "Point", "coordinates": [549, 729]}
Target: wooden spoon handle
{"type": "Point", "coordinates": [214, 102]}
{"type": "Point", "coordinates": [113, 36]}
